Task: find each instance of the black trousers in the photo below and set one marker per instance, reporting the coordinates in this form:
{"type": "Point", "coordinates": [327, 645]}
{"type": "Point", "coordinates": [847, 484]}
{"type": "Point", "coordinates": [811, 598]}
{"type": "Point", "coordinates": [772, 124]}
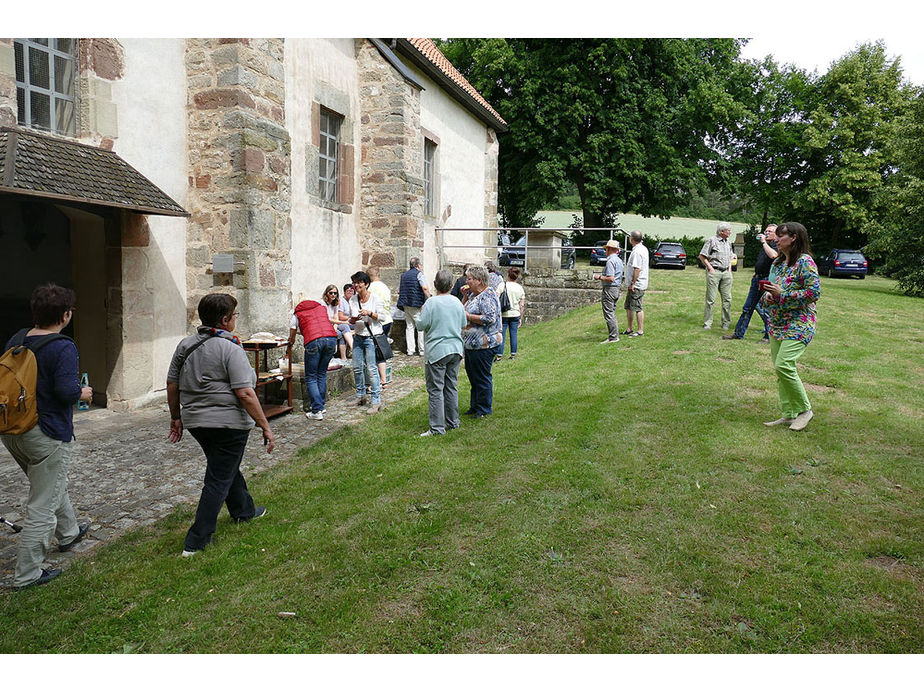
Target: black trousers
{"type": "Point", "coordinates": [224, 483]}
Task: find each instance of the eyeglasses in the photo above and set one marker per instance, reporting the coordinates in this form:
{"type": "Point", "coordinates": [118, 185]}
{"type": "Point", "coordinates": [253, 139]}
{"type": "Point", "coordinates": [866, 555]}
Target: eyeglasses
{"type": "Point", "coordinates": [332, 293]}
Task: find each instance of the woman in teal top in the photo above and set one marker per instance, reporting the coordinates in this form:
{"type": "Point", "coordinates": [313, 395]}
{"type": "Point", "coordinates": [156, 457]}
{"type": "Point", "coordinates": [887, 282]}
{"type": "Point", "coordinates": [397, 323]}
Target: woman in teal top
{"type": "Point", "coordinates": [441, 320]}
{"type": "Point", "coordinates": [790, 301]}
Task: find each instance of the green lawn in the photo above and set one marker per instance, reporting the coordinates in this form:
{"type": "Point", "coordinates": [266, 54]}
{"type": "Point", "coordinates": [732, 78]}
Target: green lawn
{"type": "Point", "coordinates": [622, 498]}
{"type": "Point", "coordinates": [676, 227]}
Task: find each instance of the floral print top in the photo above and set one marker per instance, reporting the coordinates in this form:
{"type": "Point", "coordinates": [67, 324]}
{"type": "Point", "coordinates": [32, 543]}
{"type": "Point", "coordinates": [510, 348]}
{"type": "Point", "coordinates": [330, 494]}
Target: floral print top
{"type": "Point", "coordinates": [792, 316]}
{"type": "Point", "coordinates": [486, 336]}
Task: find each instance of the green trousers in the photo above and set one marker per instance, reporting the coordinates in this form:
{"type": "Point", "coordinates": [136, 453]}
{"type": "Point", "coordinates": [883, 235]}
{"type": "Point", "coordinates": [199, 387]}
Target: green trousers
{"type": "Point", "coordinates": [48, 510]}
{"type": "Point", "coordinates": [785, 353]}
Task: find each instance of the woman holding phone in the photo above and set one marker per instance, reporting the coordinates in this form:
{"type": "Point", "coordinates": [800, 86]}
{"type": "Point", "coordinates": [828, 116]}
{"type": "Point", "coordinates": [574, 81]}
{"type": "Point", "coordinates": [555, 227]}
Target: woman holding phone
{"type": "Point", "coordinates": [789, 297]}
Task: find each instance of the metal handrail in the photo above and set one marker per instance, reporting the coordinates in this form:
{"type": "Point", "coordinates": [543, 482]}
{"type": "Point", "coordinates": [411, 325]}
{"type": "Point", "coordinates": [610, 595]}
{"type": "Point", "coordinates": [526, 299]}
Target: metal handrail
{"type": "Point", "coordinates": [526, 231]}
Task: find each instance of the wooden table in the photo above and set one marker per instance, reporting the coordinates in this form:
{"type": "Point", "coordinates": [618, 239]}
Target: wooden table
{"type": "Point", "coordinates": [259, 349]}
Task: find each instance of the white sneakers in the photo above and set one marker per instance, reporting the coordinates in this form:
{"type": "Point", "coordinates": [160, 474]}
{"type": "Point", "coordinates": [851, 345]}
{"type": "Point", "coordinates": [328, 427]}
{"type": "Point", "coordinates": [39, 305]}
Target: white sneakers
{"type": "Point", "coordinates": [317, 416]}
{"type": "Point", "coordinates": [779, 422]}
{"type": "Point", "coordinates": [801, 421]}
{"type": "Point", "coordinates": [797, 424]}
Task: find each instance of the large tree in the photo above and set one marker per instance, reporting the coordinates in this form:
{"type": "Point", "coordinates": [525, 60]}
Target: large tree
{"type": "Point", "coordinates": [763, 154]}
{"type": "Point", "coordinates": [847, 146]}
{"type": "Point", "coordinates": [897, 243]}
{"type": "Point", "coordinates": [627, 121]}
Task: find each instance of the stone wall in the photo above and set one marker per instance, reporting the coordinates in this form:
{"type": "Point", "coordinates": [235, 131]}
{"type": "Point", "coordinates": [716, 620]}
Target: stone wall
{"type": "Point", "coordinates": [392, 193]}
{"type": "Point", "coordinates": [550, 293]}
{"type": "Point", "coordinates": [239, 177]}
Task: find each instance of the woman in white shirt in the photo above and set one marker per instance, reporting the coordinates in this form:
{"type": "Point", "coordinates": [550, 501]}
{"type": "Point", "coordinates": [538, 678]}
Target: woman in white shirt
{"type": "Point", "coordinates": [511, 318]}
{"type": "Point", "coordinates": [381, 291]}
{"type": "Point", "coordinates": [366, 313]}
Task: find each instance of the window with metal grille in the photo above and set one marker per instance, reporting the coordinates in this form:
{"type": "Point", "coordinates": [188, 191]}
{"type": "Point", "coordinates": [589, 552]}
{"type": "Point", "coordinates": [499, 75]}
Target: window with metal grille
{"type": "Point", "coordinates": [45, 83]}
{"type": "Point", "coordinates": [329, 156]}
{"type": "Point", "coordinates": [429, 178]}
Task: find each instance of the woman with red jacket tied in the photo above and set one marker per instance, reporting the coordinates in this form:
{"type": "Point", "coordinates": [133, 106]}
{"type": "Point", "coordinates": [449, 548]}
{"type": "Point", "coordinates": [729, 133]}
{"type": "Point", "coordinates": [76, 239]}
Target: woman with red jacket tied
{"type": "Point", "coordinates": [320, 338]}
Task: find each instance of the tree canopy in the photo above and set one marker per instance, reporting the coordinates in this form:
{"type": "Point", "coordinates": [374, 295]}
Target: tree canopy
{"type": "Point", "coordinates": [651, 125]}
{"type": "Point", "coordinates": [627, 121]}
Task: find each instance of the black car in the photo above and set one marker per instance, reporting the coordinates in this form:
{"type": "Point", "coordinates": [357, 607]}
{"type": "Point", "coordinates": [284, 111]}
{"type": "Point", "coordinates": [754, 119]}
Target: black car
{"type": "Point", "coordinates": [669, 255]}
{"type": "Point", "coordinates": [515, 255]}
{"type": "Point", "coordinates": [844, 263]}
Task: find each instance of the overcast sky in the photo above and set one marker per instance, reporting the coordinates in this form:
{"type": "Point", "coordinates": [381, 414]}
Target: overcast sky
{"type": "Point", "coordinates": [809, 33]}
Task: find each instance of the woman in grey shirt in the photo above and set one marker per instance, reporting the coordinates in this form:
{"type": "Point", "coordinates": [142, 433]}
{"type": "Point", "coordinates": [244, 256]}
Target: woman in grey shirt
{"type": "Point", "coordinates": [211, 377]}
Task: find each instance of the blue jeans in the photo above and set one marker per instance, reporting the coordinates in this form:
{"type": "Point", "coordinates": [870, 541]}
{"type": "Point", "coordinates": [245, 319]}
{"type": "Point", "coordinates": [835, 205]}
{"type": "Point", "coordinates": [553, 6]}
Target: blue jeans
{"type": "Point", "coordinates": [752, 303]}
{"type": "Point", "coordinates": [365, 367]}
{"type": "Point", "coordinates": [478, 364]}
{"type": "Point", "coordinates": [511, 324]}
{"type": "Point", "coordinates": [318, 353]}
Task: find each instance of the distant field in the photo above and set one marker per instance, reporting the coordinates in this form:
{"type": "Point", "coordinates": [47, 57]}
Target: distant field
{"type": "Point", "coordinates": [675, 227]}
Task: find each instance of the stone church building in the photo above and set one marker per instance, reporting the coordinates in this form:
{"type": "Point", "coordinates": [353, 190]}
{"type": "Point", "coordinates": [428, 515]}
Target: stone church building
{"type": "Point", "coordinates": [145, 173]}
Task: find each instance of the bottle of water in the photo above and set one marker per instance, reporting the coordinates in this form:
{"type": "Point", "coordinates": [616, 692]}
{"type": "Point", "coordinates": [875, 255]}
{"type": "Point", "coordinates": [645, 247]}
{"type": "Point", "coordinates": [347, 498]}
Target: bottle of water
{"type": "Point", "coordinates": [84, 382]}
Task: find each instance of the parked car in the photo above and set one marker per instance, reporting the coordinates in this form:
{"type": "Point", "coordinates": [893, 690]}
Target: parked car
{"type": "Point", "coordinates": [669, 255]}
{"type": "Point", "coordinates": [844, 263]}
{"type": "Point", "coordinates": [515, 255]}
{"type": "Point", "coordinates": [598, 253]}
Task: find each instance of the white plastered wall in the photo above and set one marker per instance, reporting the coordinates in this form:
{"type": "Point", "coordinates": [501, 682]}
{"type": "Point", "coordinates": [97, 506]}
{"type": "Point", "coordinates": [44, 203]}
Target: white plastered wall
{"type": "Point", "coordinates": [461, 152]}
{"type": "Point", "coordinates": [151, 104]}
{"type": "Point", "coordinates": [325, 243]}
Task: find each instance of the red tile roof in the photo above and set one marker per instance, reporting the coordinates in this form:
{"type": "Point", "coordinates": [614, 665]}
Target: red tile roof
{"type": "Point", "coordinates": [428, 50]}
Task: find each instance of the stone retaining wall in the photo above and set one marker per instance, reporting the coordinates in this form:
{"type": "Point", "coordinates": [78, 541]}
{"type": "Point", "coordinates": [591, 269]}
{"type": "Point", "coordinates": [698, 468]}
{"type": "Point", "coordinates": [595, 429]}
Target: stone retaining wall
{"type": "Point", "coordinates": [550, 293]}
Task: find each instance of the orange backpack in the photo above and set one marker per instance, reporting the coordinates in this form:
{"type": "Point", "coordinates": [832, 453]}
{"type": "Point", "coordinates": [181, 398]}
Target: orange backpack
{"type": "Point", "coordinates": [18, 375]}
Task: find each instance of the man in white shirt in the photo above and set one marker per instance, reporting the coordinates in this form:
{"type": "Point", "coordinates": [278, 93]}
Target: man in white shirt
{"type": "Point", "coordinates": [637, 279]}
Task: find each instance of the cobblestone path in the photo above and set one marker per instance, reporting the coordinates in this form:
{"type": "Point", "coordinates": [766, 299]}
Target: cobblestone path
{"type": "Point", "coordinates": [125, 474]}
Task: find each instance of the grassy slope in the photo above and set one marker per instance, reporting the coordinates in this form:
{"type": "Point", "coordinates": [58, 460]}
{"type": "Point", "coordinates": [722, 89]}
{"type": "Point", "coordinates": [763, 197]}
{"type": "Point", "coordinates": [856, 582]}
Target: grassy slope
{"type": "Point", "coordinates": [675, 227]}
{"type": "Point", "coordinates": [622, 498]}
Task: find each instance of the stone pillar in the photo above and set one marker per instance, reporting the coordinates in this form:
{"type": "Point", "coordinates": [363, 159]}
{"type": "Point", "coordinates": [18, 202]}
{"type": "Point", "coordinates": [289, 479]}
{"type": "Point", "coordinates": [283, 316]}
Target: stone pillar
{"type": "Point", "coordinates": [100, 62]}
{"type": "Point", "coordinates": [392, 193]}
{"type": "Point", "coordinates": [491, 151]}
{"type": "Point", "coordinates": [239, 178]}
{"type": "Point", "coordinates": [8, 112]}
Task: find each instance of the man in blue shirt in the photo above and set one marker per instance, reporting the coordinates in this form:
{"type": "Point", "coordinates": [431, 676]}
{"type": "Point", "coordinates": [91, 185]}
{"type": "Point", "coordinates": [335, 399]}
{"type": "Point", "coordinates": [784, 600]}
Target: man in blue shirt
{"type": "Point", "coordinates": [44, 452]}
{"type": "Point", "coordinates": [412, 292]}
{"type": "Point", "coordinates": [611, 278]}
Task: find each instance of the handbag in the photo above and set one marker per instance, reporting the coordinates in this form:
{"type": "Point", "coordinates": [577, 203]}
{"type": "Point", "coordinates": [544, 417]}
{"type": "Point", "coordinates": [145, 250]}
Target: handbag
{"type": "Point", "coordinates": [383, 350]}
{"type": "Point", "coordinates": [504, 300]}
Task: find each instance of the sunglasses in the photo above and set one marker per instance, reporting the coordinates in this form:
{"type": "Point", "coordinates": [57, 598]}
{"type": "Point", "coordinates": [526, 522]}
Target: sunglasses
{"type": "Point", "coordinates": [332, 293]}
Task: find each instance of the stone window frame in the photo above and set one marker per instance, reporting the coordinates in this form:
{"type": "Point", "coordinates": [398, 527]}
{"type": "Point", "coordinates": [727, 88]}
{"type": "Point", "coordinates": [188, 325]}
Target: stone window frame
{"type": "Point", "coordinates": [337, 104]}
{"type": "Point", "coordinates": [329, 164]}
{"type": "Point", "coordinates": [431, 173]}
{"type": "Point", "coordinates": [25, 89]}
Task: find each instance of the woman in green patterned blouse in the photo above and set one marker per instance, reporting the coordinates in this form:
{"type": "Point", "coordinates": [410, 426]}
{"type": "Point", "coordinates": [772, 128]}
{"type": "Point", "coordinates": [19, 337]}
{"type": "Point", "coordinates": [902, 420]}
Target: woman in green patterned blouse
{"type": "Point", "coordinates": [790, 301]}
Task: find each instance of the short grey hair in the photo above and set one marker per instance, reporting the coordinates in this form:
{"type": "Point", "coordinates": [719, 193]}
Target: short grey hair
{"type": "Point", "coordinates": [636, 236]}
{"type": "Point", "coordinates": [443, 281]}
{"type": "Point", "coordinates": [414, 262]}
{"type": "Point", "coordinates": [723, 226]}
{"type": "Point", "coordinates": [490, 266]}
{"type": "Point", "coordinates": [477, 272]}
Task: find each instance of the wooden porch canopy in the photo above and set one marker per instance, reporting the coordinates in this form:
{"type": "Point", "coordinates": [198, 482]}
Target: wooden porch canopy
{"type": "Point", "coordinates": [39, 165]}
